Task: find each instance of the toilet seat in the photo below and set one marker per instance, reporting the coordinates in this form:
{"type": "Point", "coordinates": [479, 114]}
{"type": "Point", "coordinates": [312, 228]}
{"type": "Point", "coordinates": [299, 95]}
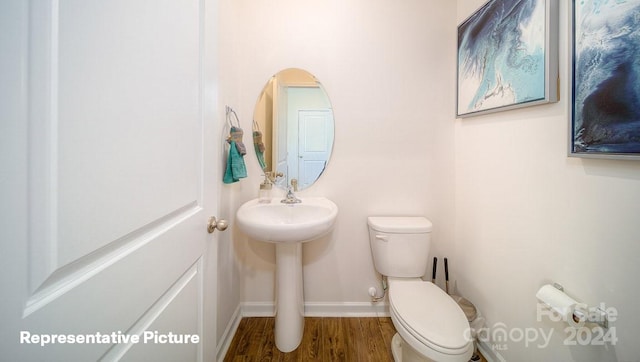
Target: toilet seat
{"type": "Point", "coordinates": [429, 320]}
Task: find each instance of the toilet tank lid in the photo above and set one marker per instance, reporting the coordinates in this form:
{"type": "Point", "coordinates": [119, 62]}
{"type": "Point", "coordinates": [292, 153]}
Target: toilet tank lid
{"type": "Point", "coordinates": [400, 224]}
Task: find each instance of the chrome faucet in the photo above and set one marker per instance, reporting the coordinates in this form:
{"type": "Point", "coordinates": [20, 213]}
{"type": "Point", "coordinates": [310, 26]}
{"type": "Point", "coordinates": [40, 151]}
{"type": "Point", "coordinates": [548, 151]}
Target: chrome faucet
{"type": "Point", "coordinates": [290, 198]}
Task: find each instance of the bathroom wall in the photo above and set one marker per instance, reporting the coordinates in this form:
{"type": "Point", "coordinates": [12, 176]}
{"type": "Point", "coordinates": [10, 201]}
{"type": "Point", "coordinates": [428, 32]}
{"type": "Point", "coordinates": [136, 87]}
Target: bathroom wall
{"type": "Point", "coordinates": [388, 69]}
{"type": "Point", "coordinates": [526, 215]}
{"type": "Point", "coordinates": [229, 277]}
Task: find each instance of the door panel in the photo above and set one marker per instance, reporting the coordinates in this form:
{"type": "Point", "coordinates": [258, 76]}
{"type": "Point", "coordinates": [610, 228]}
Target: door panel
{"type": "Point", "coordinates": [315, 129]}
{"type": "Point", "coordinates": [128, 118]}
{"type": "Point", "coordinates": [177, 307]}
{"type": "Point", "coordinates": [118, 138]}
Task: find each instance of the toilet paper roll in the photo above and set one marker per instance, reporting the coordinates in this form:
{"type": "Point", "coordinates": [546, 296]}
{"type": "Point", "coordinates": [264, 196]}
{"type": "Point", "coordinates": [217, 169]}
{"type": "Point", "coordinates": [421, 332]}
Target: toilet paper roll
{"type": "Point", "coordinates": [568, 308]}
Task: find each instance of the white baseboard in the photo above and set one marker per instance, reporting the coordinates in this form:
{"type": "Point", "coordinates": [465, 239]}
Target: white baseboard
{"type": "Point", "coordinates": [346, 309]}
{"type": "Point", "coordinates": [258, 309]}
{"type": "Point", "coordinates": [311, 309]}
{"type": "Point", "coordinates": [228, 335]}
{"type": "Point", "coordinates": [489, 353]}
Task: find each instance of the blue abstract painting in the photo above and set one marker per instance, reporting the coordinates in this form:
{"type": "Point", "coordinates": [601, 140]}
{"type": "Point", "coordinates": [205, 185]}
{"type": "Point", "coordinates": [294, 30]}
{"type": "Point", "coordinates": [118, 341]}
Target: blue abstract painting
{"type": "Point", "coordinates": [503, 57]}
{"type": "Point", "coordinates": [606, 77]}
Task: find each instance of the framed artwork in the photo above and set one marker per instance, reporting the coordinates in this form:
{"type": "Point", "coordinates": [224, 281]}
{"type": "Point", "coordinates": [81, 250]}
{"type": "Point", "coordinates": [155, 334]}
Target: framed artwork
{"type": "Point", "coordinates": [605, 106]}
{"type": "Point", "coordinates": [508, 56]}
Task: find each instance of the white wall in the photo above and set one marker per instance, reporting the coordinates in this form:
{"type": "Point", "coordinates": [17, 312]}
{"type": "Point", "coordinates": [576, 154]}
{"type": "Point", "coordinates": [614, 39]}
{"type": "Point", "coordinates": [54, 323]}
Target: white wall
{"type": "Point", "coordinates": [528, 215]}
{"type": "Point", "coordinates": [387, 68]}
{"type": "Point", "coordinates": [229, 277]}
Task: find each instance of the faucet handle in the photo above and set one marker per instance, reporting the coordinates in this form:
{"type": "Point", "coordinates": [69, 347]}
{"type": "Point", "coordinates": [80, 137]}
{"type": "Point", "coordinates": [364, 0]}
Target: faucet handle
{"type": "Point", "coordinates": [271, 175]}
{"type": "Point", "coordinates": [290, 198]}
{"type": "Point", "coordinates": [294, 184]}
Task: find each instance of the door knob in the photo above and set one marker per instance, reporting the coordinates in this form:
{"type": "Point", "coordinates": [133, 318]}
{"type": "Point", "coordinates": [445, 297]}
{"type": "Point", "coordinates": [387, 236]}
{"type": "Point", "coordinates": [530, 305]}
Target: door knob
{"type": "Point", "coordinates": [216, 224]}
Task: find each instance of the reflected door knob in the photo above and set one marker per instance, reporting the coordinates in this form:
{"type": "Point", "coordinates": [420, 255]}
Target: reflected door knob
{"type": "Point", "coordinates": [216, 224]}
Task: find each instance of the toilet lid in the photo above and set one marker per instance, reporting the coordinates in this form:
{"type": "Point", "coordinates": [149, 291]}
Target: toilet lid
{"type": "Point", "coordinates": [400, 224]}
{"type": "Point", "coordinates": [429, 314]}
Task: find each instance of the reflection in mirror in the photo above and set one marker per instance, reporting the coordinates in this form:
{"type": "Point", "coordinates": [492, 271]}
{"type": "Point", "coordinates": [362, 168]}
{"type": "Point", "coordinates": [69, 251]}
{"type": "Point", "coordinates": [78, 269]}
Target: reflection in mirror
{"type": "Point", "coordinates": [293, 128]}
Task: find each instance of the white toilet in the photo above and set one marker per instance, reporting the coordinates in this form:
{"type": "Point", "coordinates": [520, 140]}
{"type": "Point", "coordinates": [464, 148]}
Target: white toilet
{"type": "Point", "coordinates": [430, 325]}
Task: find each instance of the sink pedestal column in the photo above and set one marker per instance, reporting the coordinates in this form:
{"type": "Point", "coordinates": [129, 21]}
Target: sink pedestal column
{"type": "Point", "coordinates": [289, 322]}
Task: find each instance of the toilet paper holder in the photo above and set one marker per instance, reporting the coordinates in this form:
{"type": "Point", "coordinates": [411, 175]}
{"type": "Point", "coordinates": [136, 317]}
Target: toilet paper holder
{"type": "Point", "coordinates": [560, 302]}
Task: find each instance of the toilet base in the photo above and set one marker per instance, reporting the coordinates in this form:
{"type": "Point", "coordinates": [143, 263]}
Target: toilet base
{"type": "Point", "coordinates": [403, 352]}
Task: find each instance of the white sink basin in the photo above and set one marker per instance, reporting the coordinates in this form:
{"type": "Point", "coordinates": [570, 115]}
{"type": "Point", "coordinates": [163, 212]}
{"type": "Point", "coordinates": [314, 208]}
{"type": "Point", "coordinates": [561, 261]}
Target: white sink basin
{"type": "Point", "coordinates": [281, 223]}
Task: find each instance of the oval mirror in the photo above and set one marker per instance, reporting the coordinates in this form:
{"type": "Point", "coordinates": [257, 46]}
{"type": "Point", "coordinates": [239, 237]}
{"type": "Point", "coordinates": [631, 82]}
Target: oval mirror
{"type": "Point", "coordinates": [293, 128]}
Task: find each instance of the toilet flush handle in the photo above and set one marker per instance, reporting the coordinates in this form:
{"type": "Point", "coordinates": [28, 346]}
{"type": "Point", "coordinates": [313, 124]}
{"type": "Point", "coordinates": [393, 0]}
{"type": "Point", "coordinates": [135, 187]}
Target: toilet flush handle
{"type": "Point", "coordinates": [382, 237]}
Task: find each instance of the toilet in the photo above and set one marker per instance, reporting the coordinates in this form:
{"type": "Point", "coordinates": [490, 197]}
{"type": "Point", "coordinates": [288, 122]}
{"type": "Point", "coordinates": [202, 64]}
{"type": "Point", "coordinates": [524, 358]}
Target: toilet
{"type": "Point", "coordinates": [430, 325]}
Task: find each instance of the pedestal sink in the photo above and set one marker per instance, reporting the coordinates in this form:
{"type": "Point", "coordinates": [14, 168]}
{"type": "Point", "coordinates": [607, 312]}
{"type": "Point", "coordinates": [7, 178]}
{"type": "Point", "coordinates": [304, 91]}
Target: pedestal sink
{"type": "Point", "coordinates": [288, 226]}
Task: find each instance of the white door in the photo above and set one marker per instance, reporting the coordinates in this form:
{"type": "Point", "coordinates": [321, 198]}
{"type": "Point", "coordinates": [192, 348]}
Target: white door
{"type": "Point", "coordinates": [108, 180]}
{"type": "Point", "coordinates": [314, 144]}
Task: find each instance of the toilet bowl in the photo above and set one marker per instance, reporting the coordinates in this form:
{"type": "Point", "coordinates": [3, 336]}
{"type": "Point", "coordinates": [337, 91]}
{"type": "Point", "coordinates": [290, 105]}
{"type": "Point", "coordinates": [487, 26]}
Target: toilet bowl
{"type": "Point", "coordinates": [430, 325]}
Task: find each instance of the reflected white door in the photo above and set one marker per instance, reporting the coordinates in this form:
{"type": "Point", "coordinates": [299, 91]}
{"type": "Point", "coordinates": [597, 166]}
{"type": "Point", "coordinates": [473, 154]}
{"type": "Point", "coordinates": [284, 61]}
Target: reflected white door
{"type": "Point", "coordinates": [315, 132]}
{"type": "Point", "coordinates": [107, 140]}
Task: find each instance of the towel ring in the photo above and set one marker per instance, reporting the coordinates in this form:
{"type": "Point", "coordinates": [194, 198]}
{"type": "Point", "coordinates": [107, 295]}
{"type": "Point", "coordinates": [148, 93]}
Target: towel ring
{"type": "Point", "coordinates": [230, 112]}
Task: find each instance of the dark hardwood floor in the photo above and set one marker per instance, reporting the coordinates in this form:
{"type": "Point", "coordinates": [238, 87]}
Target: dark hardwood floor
{"type": "Point", "coordinates": [324, 339]}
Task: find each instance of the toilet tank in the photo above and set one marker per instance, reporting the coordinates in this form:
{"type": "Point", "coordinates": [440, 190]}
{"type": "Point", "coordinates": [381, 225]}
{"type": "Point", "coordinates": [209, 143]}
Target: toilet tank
{"type": "Point", "coordinates": [400, 245]}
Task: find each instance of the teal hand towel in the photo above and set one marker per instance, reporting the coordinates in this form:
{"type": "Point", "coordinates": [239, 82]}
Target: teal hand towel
{"type": "Point", "coordinates": [258, 145]}
{"type": "Point", "coordinates": [236, 136]}
{"type": "Point", "coordinates": [260, 155]}
{"type": "Point", "coordinates": [236, 169]}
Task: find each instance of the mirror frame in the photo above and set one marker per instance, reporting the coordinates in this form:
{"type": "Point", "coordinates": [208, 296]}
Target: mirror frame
{"type": "Point", "coordinates": [301, 149]}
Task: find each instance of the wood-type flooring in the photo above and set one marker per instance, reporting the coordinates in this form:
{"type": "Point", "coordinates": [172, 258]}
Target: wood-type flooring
{"type": "Point", "coordinates": [326, 339]}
